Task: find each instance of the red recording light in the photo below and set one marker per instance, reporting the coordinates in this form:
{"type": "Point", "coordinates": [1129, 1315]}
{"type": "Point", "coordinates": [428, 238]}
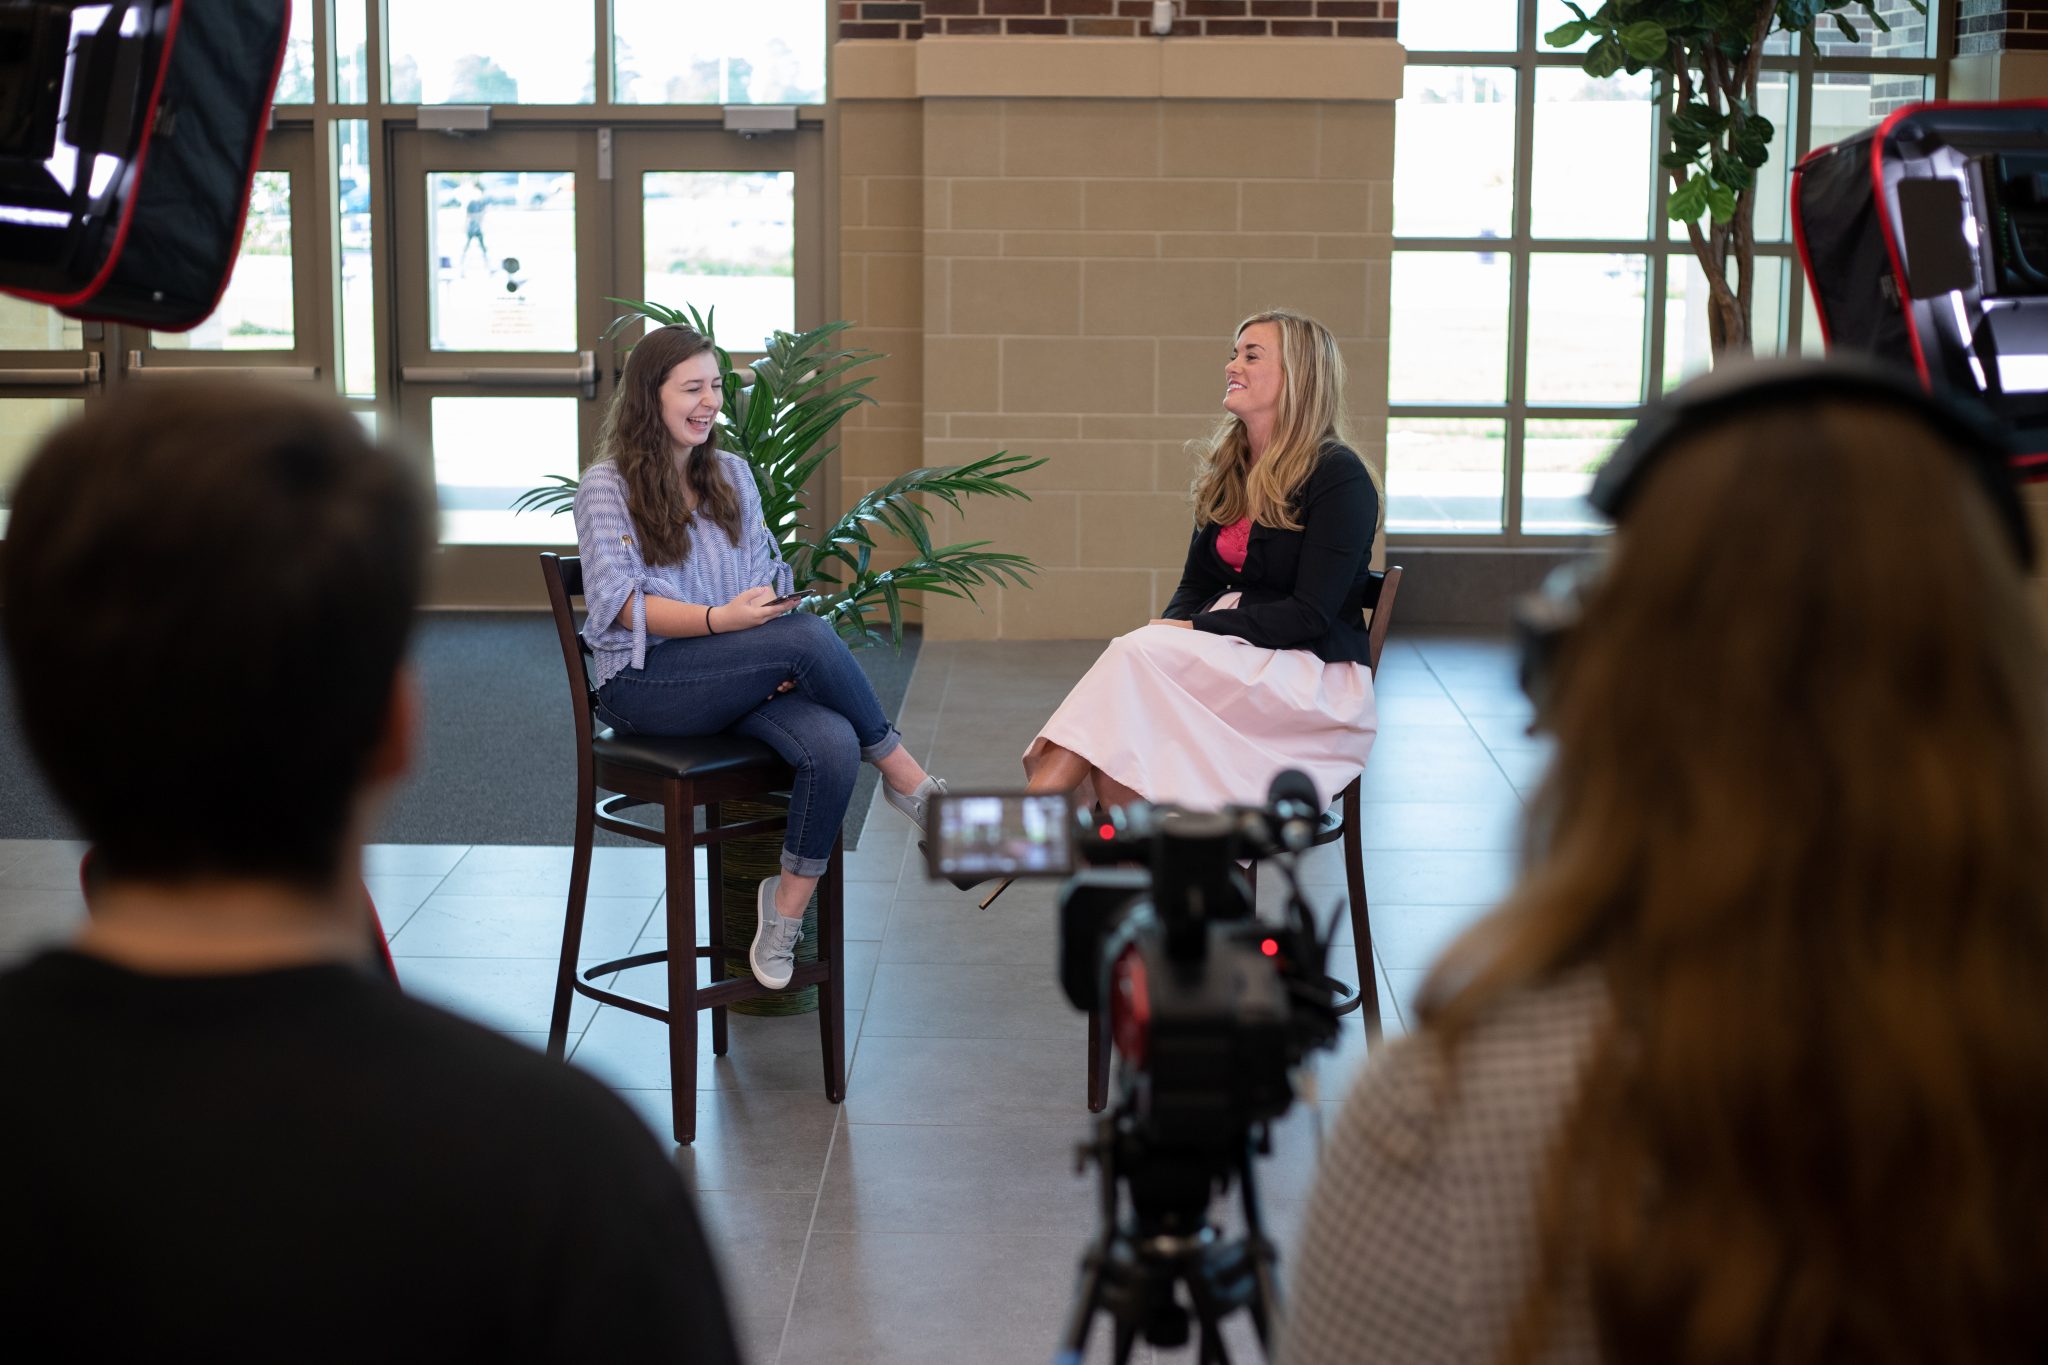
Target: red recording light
{"type": "Point", "coordinates": [1270, 947]}
{"type": "Point", "coordinates": [1107, 831]}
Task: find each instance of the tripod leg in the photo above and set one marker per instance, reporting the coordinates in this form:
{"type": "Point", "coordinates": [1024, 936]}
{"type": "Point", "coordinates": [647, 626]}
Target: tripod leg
{"type": "Point", "coordinates": [1096, 1261]}
{"type": "Point", "coordinates": [1210, 1348]}
{"type": "Point", "coordinates": [1265, 1297]}
{"type": "Point", "coordinates": [1087, 1298]}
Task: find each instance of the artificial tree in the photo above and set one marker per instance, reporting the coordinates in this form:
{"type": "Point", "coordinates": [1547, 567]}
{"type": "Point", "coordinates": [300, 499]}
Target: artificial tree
{"type": "Point", "coordinates": [1706, 56]}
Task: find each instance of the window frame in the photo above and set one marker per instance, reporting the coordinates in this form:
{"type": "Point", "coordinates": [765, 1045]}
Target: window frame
{"type": "Point", "coordinates": [1516, 411]}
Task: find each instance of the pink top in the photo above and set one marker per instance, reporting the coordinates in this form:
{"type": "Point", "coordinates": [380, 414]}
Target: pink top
{"type": "Point", "coordinates": [1233, 541]}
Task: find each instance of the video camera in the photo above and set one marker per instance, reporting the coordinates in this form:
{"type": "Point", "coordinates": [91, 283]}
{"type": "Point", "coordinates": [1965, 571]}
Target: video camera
{"type": "Point", "coordinates": [1210, 1008]}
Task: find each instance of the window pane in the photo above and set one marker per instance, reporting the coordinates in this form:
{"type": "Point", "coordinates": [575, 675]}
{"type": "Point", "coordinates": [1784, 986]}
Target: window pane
{"type": "Point", "coordinates": [26, 326]}
{"type": "Point", "coordinates": [491, 52]}
{"type": "Point", "coordinates": [1688, 344]}
{"type": "Point", "coordinates": [295, 76]}
{"type": "Point", "coordinates": [503, 248]}
{"type": "Point", "coordinates": [714, 52]}
{"type": "Point", "coordinates": [1593, 155]}
{"type": "Point", "coordinates": [1445, 474]}
{"type": "Point", "coordinates": [1461, 116]}
{"type": "Point", "coordinates": [1586, 329]}
{"type": "Point", "coordinates": [1450, 327]}
{"type": "Point", "coordinates": [351, 52]}
{"type": "Point", "coordinates": [255, 313]}
{"type": "Point", "coordinates": [23, 423]}
{"type": "Point", "coordinates": [487, 451]}
{"type": "Point", "coordinates": [1912, 35]}
{"type": "Point", "coordinates": [1550, 14]}
{"type": "Point", "coordinates": [1458, 25]}
{"type": "Point", "coordinates": [1558, 463]}
{"type": "Point", "coordinates": [724, 240]}
{"type": "Point", "coordinates": [1845, 103]}
{"type": "Point", "coordinates": [358, 296]}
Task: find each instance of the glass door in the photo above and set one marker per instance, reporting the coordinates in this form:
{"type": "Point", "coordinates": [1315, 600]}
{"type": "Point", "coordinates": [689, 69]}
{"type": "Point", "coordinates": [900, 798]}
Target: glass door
{"type": "Point", "coordinates": [723, 223]}
{"type": "Point", "coordinates": [510, 246]}
{"type": "Point", "coordinates": [272, 315]}
{"type": "Point", "coordinates": [731, 226]}
{"type": "Point", "coordinates": [501, 277]}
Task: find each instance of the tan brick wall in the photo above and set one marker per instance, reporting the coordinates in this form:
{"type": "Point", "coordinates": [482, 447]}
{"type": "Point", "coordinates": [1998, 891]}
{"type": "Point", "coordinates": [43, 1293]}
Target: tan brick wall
{"type": "Point", "coordinates": [1085, 264]}
{"type": "Point", "coordinates": [911, 19]}
{"type": "Point", "coordinates": [1078, 268]}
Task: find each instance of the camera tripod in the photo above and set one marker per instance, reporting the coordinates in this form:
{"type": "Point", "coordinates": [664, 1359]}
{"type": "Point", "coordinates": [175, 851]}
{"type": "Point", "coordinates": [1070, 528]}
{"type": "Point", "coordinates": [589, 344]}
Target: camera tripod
{"type": "Point", "coordinates": [1134, 1267]}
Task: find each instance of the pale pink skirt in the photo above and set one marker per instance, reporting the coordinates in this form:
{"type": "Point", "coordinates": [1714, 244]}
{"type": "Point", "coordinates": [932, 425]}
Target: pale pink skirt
{"type": "Point", "coordinates": [1193, 719]}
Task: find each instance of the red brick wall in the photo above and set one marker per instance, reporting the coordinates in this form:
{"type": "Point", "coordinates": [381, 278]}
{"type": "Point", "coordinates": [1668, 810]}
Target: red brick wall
{"type": "Point", "coordinates": [1120, 18]}
{"type": "Point", "coordinates": [2001, 25]}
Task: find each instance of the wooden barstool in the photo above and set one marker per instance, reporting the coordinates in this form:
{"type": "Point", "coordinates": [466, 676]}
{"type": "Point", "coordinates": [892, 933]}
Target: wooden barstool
{"type": "Point", "coordinates": [679, 776]}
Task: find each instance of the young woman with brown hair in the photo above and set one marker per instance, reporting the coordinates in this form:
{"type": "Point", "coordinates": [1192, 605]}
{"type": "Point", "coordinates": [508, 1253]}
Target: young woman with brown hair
{"type": "Point", "coordinates": [1752, 1066]}
{"type": "Point", "coordinates": [1257, 663]}
{"type": "Point", "coordinates": [690, 623]}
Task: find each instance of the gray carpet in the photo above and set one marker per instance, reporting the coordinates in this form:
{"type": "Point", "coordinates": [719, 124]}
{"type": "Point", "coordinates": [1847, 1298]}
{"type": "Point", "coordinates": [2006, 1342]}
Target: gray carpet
{"type": "Point", "coordinates": [497, 762]}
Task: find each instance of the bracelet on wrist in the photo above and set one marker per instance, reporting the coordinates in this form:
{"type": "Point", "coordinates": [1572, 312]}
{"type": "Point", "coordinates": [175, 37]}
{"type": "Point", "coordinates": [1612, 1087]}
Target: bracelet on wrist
{"type": "Point", "coordinates": [709, 629]}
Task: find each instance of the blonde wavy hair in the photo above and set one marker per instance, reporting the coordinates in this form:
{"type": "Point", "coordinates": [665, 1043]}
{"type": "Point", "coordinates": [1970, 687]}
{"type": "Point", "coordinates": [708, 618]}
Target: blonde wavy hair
{"type": "Point", "coordinates": [1798, 822]}
{"type": "Point", "coordinates": [1229, 486]}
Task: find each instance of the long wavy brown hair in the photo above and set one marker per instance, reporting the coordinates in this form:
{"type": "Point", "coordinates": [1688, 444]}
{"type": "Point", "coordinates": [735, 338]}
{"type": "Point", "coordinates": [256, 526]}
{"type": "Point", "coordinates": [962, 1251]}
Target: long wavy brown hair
{"type": "Point", "coordinates": [660, 491]}
{"type": "Point", "coordinates": [1798, 819]}
{"type": "Point", "coordinates": [1228, 485]}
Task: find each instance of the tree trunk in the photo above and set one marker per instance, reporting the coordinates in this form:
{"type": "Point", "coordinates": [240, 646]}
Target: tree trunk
{"type": "Point", "coordinates": [1726, 323]}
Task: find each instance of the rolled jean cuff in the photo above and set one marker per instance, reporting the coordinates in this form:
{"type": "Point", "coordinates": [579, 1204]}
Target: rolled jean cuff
{"type": "Point", "coordinates": [796, 865]}
{"type": "Point", "coordinates": [889, 743]}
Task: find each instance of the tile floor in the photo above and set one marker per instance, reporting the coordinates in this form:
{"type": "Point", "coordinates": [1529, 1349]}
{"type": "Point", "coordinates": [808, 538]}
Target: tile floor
{"type": "Point", "coordinates": [938, 1205]}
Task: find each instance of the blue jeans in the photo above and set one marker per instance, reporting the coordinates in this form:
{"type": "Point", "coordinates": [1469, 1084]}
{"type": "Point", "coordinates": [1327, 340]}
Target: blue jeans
{"type": "Point", "coordinates": [823, 728]}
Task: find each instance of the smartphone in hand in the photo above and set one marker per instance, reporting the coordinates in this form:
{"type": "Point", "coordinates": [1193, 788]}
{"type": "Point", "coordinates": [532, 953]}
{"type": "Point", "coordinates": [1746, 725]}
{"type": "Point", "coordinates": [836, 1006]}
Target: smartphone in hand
{"type": "Point", "coordinates": [791, 600]}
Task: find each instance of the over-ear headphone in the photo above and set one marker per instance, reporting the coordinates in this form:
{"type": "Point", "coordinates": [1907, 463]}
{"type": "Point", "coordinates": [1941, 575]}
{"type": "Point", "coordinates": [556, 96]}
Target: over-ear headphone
{"type": "Point", "coordinates": [1543, 620]}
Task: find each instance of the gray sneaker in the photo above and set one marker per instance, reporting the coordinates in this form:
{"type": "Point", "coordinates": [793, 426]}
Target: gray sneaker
{"type": "Point", "coordinates": [773, 954]}
{"type": "Point", "coordinates": [912, 804]}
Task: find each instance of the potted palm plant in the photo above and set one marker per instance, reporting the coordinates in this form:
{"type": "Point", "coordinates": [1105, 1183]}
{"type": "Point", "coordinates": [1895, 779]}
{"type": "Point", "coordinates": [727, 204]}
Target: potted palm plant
{"type": "Point", "coordinates": [779, 416]}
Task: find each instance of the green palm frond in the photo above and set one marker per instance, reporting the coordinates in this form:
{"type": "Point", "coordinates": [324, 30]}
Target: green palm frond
{"type": "Point", "coordinates": [800, 391]}
{"type": "Point", "coordinates": [557, 495]}
{"type": "Point", "coordinates": [945, 571]}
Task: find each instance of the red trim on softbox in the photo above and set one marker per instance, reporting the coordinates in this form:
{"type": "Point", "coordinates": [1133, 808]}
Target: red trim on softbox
{"type": "Point", "coordinates": [1820, 309]}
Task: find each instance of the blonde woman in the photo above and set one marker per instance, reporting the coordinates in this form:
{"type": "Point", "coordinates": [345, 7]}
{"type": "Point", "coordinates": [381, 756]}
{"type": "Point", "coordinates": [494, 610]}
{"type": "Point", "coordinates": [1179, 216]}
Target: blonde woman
{"type": "Point", "coordinates": [1752, 1066]}
{"type": "Point", "coordinates": [1258, 662]}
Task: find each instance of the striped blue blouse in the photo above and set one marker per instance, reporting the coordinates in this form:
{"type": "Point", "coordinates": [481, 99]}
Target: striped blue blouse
{"type": "Point", "coordinates": [614, 574]}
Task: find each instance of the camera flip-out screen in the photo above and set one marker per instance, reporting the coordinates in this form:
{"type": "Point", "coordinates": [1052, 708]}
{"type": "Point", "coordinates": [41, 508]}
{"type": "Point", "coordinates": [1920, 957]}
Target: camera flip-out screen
{"type": "Point", "coordinates": [1001, 834]}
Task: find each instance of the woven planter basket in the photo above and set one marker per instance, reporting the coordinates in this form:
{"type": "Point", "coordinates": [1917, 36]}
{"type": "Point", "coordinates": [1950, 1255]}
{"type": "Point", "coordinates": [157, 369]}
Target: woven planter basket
{"type": "Point", "coordinates": [747, 861]}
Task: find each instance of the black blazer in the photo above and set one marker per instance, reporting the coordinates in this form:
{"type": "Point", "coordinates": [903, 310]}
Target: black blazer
{"type": "Point", "coordinates": [1301, 589]}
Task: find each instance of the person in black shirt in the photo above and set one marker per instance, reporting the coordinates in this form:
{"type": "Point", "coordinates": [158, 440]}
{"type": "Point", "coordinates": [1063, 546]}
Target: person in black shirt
{"type": "Point", "coordinates": [1258, 663]}
{"type": "Point", "coordinates": [227, 1139]}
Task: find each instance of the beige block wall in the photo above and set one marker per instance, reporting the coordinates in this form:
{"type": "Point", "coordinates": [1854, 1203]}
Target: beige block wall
{"type": "Point", "coordinates": [1086, 262]}
{"type": "Point", "coordinates": [1060, 275]}
{"type": "Point", "coordinates": [881, 287]}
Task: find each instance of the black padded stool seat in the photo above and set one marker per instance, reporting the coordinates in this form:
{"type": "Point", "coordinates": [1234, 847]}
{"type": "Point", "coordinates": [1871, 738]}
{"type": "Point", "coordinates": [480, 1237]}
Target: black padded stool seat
{"type": "Point", "coordinates": [678, 777]}
{"type": "Point", "coordinates": [701, 756]}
